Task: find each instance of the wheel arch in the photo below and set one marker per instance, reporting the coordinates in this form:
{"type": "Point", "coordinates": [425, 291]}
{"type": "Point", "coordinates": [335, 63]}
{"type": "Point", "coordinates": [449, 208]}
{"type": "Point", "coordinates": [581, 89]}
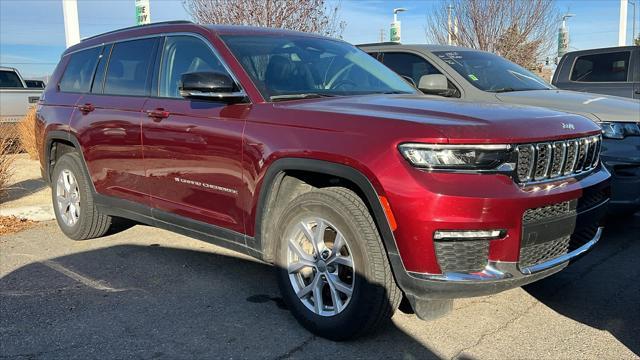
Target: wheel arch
{"type": "Point", "coordinates": [274, 179]}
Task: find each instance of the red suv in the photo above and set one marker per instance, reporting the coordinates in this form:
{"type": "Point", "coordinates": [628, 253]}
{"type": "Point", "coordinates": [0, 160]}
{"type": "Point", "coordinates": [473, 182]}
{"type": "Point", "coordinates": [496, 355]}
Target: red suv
{"type": "Point", "coordinates": [308, 154]}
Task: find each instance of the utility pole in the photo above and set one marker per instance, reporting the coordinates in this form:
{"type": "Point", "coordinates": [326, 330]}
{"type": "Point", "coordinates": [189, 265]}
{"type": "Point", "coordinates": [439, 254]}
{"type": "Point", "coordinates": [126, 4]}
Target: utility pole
{"type": "Point", "coordinates": [622, 29]}
{"type": "Point", "coordinates": [382, 35]}
{"type": "Point", "coordinates": [71, 25]}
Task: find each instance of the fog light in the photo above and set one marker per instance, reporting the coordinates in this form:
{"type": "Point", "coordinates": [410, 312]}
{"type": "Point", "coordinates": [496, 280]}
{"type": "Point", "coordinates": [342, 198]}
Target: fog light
{"type": "Point", "coordinates": [468, 234]}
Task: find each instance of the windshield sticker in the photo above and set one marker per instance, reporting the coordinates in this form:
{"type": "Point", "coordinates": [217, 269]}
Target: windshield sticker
{"type": "Point", "coordinates": [473, 77]}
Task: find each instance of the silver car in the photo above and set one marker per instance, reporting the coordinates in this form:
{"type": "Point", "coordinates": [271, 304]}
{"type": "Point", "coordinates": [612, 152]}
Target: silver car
{"type": "Point", "coordinates": [482, 76]}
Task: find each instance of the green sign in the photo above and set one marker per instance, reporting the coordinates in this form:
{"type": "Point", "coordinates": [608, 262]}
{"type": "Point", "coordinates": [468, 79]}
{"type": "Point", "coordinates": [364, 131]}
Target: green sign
{"type": "Point", "coordinates": [394, 33]}
{"type": "Point", "coordinates": [143, 12]}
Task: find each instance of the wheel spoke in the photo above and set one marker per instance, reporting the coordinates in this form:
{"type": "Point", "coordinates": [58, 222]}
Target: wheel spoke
{"type": "Point", "coordinates": [297, 266]}
{"type": "Point", "coordinates": [339, 285]}
{"type": "Point", "coordinates": [67, 182]}
{"type": "Point", "coordinates": [335, 298]}
{"type": "Point", "coordinates": [302, 255]}
{"type": "Point", "coordinates": [318, 236]}
{"type": "Point", "coordinates": [338, 244]}
{"type": "Point", "coordinates": [302, 293]}
{"type": "Point", "coordinates": [317, 294]}
{"type": "Point", "coordinates": [342, 260]}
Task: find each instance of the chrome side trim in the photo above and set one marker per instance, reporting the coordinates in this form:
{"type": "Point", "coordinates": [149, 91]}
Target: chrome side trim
{"type": "Point", "coordinates": [498, 270]}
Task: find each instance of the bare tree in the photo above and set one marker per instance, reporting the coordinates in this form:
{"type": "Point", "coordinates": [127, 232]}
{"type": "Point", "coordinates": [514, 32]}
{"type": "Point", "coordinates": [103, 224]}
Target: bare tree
{"type": "Point", "coordinates": [519, 30]}
{"type": "Point", "coordinates": [315, 16]}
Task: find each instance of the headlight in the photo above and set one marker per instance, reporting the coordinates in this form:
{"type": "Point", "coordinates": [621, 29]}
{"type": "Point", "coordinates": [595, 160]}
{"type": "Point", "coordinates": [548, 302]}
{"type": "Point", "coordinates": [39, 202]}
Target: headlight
{"type": "Point", "coordinates": [619, 130]}
{"type": "Point", "coordinates": [457, 157]}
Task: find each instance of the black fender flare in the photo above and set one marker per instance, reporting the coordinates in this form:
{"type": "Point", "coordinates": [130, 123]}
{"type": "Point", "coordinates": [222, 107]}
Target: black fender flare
{"type": "Point", "coordinates": [275, 172]}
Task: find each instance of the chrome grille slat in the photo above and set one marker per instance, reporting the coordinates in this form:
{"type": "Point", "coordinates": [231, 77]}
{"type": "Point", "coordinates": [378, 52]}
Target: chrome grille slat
{"type": "Point", "coordinates": [547, 161]}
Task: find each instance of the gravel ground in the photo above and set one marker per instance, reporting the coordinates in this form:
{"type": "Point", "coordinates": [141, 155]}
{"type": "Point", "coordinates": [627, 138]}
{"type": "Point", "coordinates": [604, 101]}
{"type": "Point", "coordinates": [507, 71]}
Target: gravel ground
{"type": "Point", "coordinates": [147, 293]}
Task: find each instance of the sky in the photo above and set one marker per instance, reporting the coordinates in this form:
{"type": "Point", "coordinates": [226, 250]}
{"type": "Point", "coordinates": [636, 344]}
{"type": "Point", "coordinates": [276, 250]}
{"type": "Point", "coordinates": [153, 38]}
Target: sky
{"type": "Point", "coordinates": [32, 32]}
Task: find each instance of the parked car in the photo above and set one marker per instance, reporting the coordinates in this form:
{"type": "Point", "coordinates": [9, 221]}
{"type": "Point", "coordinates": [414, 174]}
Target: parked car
{"type": "Point", "coordinates": [15, 99]}
{"type": "Point", "coordinates": [39, 84]}
{"type": "Point", "coordinates": [308, 154]}
{"type": "Point", "coordinates": [610, 71]}
{"type": "Point", "coordinates": [474, 75]}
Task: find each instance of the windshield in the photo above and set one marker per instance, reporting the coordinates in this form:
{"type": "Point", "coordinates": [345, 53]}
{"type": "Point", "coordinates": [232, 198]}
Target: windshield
{"type": "Point", "coordinates": [290, 67]}
{"type": "Point", "coordinates": [491, 72]}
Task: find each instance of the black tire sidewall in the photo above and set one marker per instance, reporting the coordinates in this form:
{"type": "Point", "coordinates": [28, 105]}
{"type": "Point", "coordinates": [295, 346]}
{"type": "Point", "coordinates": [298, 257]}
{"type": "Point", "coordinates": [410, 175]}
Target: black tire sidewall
{"type": "Point", "coordinates": [71, 162]}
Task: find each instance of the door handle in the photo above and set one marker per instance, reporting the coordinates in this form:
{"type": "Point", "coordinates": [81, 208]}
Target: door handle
{"type": "Point", "coordinates": [637, 91]}
{"type": "Point", "coordinates": [158, 114]}
{"type": "Point", "coordinates": [86, 108]}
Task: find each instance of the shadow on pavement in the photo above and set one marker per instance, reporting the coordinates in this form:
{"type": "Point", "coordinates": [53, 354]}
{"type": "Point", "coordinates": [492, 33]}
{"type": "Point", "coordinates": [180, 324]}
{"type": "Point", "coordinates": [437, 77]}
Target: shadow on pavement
{"type": "Point", "coordinates": [159, 302]}
{"type": "Point", "coordinates": [602, 289]}
{"type": "Point", "coordinates": [22, 189]}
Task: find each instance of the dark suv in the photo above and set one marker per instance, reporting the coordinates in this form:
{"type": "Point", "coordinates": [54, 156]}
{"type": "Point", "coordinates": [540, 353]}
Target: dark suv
{"type": "Point", "coordinates": [308, 154]}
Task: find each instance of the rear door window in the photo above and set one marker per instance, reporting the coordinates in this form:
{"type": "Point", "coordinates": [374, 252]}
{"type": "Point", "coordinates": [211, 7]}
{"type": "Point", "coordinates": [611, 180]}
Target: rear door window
{"type": "Point", "coordinates": [128, 70]}
{"type": "Point", "coordinates": [79, 72]}
{"type": "Point", "coordinates": [409, 65]}
{"type": "Point", "coordinates": [609, 67]}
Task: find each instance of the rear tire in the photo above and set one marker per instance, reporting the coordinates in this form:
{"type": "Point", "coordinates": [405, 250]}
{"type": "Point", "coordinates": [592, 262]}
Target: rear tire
{"type": "Point", "coordinates": [73, 204]}
{"type": "Point", "coordinates": [374, 296]}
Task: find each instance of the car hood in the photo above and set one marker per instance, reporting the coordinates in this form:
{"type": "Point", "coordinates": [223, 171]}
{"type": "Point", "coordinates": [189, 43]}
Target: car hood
{"type": "Point", "coordinates": [595, 106]}
{"type": "Point", "coordinates": [455, 120]}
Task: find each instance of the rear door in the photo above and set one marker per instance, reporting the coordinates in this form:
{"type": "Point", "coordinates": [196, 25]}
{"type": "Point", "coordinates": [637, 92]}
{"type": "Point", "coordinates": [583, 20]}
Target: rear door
{"type": "Point", "coordinates": [602, 72]}
{"type": "Point", "coordinates": [193, 148]}
{"type": "Point", "coordinates": [108, 119]}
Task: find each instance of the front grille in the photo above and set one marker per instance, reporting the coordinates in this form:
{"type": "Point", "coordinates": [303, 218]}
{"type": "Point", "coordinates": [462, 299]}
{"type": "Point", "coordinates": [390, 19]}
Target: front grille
{"type": "Point", "coordinates": [539, 253]}
{"type": "Point", "coordinates": [551, 160]}
{"type": "Point", "coordinates": [548, 212]}
{"type": "Point", "coordinates": [462, 256]}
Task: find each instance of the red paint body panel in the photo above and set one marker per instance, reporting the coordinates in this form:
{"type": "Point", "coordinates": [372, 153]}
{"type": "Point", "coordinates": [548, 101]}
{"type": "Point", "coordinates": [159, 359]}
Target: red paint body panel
{"type": "Point", "coordinates": [186, 163]}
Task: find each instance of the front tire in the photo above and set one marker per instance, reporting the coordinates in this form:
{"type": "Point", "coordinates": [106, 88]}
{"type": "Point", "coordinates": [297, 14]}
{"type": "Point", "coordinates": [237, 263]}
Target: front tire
{"type": "Point", "coordinates": [76, 213]}
{"type": "Point", "coordinates": [332, 268]}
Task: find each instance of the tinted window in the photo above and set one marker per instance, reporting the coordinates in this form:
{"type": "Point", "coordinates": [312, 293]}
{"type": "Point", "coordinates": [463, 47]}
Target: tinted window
{"type": "Point", "coordinates": [98, 78]}
{"type": "Point", "coordinates": [601, 67]}
{"type": "Point", "coordinates": [184, 54]}
{"type": "Point", "coordinates": [286, 66]}
{"type": "Point", "coordinates": [128, 69]}
{"type": "Point", "coordinates": [77, 75]}
{"type": "Point", "coordinates": [409, 65]}
{"type": "Point", "coordinates": [490, 72]}
{"type": "Point", "coordinates": [9, 79]}
{"type": "Point", "coordinates": [35, 84]}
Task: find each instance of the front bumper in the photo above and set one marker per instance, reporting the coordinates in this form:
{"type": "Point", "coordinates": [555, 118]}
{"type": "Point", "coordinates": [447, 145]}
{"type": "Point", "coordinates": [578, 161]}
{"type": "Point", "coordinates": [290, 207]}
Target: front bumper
{"type": "Point", "coordinates": [622, 159]}
{"type": "Point", "coordinates": [499, 276]}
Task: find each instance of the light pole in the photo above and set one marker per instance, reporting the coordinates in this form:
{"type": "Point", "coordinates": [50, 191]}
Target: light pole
{"type": "Point", "coordinates": [633, 21]}
{"type": "Point", "coordinates": [394, 34]}
{"type": "Point", "coordinates": [71, 26]}
{"type": "Point", "coordinates": [563, 36]}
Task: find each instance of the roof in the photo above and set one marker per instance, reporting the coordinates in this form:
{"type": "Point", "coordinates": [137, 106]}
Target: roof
{"type": "Point", "coordinates": [418, 47]}
{"type": "Point", "coordinates": [181, 26]}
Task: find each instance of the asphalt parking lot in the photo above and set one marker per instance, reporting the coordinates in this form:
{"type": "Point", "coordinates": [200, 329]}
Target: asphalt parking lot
{"type": "Point", "coordinates": [147, 293]}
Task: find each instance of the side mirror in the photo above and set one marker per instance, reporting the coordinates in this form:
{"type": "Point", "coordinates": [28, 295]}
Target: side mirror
{"type": "Point", "coordinates": [433, 84]}
{"type": "Point", "coordinates": [210, 85]}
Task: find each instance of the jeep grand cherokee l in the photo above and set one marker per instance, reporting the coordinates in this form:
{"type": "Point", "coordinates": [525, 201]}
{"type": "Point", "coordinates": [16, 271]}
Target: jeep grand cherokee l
{"type": "Point", "coordinates": [308, 154]}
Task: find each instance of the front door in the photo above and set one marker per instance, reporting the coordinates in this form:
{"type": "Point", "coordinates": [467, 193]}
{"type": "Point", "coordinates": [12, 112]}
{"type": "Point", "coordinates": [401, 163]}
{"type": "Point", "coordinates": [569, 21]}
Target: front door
{"type": "Point", "coordinates": [193, 148]}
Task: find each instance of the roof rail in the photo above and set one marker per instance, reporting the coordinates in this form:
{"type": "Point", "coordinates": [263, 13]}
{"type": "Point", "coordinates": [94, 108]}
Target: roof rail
{"type": "Point", "coordinates": [140, 26]}
{"type": "Point", "coordinates": [380, 43]}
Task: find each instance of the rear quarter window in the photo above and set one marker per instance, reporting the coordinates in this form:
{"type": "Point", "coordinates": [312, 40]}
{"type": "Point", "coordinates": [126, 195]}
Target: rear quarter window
{"type": "Point", "coordinates": [608, 67]}
{"type": "Point", "coordinates": [79, 71]}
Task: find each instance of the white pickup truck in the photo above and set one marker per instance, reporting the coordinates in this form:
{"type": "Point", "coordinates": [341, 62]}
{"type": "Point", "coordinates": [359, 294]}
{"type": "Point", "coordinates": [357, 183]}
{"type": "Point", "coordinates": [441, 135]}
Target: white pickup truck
{"type": "Point", "coordinates": [15, 96]}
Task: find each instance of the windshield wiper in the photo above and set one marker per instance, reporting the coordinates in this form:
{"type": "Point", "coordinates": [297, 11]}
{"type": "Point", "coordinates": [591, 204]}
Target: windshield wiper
{"type": "Point", "coordinates": [299, 96]}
